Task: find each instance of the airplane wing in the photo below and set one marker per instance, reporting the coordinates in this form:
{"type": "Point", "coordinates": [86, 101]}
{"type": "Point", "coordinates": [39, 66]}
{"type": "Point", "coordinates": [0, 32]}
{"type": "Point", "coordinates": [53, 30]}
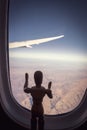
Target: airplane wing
{"type": "Point", "coordinates": [33, 42]}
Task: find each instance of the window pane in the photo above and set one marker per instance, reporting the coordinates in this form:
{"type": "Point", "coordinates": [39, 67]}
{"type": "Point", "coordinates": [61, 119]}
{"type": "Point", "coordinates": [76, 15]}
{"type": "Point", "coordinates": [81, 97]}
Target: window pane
{"type": "Point", "coordinates": [63, 60]}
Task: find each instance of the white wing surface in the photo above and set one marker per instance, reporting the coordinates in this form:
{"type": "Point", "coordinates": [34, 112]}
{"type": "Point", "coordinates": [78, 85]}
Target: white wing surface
{"type": "Point", "coordinates": [33, 42]}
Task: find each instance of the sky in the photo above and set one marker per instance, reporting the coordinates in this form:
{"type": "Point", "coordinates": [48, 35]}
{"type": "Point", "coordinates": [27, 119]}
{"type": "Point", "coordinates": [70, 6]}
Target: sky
{"type": "Point", "coordinates": [30, 19]}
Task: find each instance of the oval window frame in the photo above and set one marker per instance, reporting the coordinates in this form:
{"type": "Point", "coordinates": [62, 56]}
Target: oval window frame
{"type": "Point", "coordinates": [15, 111]}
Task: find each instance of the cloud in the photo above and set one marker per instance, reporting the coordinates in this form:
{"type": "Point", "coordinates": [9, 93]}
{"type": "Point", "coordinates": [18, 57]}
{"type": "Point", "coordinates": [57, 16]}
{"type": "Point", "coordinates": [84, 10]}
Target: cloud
{"type": "Point", "coordinates": [49, 56]}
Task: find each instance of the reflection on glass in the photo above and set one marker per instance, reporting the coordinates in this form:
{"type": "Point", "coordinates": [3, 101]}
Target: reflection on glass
{"type": "Point", "coordinates": [62, 61]}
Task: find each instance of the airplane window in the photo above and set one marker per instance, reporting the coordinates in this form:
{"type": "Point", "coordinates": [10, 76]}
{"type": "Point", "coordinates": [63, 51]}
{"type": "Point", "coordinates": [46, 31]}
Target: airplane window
{"type": "Point", "coordinates": [51, 37]}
